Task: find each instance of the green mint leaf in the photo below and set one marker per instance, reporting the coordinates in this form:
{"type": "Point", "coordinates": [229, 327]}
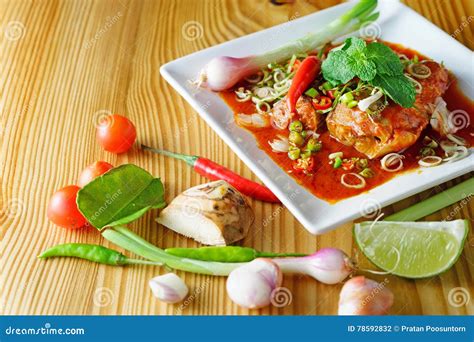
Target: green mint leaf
{"type": "Point", "coordinates": [385, 59]}
{"type": "Point", "coordinates": [336, 67]}
{"type": "Point", "coordinates": [399, 88]}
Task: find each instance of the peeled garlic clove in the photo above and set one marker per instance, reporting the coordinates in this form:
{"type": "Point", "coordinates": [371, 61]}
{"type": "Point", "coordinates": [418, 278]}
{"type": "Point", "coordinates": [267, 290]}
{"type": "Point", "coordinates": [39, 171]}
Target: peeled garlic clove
{"type": "Point", "coordinates": [363, 296]}
{"type": "Point", "coordinates": [251, 285]}
{"type": "Point", "coordinates": [169, 288]}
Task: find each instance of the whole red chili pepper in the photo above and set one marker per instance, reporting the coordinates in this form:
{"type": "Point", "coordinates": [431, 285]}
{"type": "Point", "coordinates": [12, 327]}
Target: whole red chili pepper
{"type": "Point", "coordinates": [214, 171]}
{"type": "Point", "coordinates": [306, 73]}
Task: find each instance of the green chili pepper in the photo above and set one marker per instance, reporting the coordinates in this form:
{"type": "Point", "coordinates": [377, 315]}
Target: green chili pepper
{"type": "Point", "coordinates": [337, 162]}
{"type": "Point", "coordinates": [225, 253]}
{"type": "Point", "coordinates": [95, 253]}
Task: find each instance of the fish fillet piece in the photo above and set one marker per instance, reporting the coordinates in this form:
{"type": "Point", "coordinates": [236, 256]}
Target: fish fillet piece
{"type": "Point", "coordinates": [395, 128]}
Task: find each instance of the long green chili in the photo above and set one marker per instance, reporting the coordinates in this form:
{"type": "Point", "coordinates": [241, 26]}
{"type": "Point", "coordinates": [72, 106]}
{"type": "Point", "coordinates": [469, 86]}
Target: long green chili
{"type": "Point", "coordinates": [95, 253]}
{"type": "Point", "coordinates": [226, 254]}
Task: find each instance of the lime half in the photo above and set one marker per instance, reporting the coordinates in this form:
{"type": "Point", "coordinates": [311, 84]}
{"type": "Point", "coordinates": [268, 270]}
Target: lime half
{"type": "Point", "coordinates": [412, 249]}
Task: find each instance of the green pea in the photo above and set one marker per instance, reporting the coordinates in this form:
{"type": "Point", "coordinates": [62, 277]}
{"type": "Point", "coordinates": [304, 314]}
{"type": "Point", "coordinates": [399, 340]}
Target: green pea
{"type": "Point", "coordinates": [367, 173]}
{"type": "Point", "coordinates": [296, 126]}
{"type": "Point", "coordinates": [337, 162]}
{"type": "Point", "coordinates": [313, 145]}
{"type": "Point", "coordinates": [352, 104]}
{"type": "Point", "coordinates": [296, 138]}
{"type": "Point", "coordinates": [293, 152]}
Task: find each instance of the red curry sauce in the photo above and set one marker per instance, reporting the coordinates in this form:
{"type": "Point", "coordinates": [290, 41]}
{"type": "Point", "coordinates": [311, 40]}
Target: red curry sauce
{"type": "Point", "coordinates": [325, 181]}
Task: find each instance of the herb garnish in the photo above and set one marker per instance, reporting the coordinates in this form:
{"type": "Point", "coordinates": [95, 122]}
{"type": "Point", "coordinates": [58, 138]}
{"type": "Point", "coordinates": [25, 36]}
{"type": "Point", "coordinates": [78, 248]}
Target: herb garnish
{"type": "Point", "coordinates": [374, 63]}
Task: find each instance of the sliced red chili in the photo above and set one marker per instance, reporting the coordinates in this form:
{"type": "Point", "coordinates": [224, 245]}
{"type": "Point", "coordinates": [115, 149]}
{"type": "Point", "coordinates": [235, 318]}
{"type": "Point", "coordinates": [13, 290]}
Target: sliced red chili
{"type": "Point", "coordinates": [322, 103]}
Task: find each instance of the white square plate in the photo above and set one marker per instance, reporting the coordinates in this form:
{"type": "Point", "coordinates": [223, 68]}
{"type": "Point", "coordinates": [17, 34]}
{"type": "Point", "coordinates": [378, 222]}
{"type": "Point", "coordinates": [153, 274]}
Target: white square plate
{"type": "Point", "coordinates": [398, 24]}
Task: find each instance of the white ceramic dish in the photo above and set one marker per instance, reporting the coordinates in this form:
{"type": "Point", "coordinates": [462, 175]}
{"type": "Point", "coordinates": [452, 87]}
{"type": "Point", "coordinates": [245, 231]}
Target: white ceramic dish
{"type": "Point", "coordinates": [398, 24]}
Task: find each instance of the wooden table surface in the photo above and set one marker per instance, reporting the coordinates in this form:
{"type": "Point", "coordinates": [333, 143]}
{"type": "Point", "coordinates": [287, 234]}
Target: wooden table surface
{"type": "Point", "coordinates": [63, 64]}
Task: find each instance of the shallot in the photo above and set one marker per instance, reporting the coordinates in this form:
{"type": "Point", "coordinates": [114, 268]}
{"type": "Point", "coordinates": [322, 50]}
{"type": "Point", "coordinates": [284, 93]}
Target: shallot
{"type": "Point", "coordinates": [253, 284]}
{"type": "Point", "coordinates": [328, 265]}
{"type": "Point", "coordinates": [363, 296]}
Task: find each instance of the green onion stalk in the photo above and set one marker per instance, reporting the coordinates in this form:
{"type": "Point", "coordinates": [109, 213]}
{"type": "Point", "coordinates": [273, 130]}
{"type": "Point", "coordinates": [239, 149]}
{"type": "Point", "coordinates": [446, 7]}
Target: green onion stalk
{"type": "Point", "coordinates": [224, 72]}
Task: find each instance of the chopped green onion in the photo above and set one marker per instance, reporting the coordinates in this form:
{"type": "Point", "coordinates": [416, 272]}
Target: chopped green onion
{"type": "Point", "coordinates": [327, 85]}
{"type": "Point", "coordinates": [427, 151]}
{"type": "Point", "coordinates": [362, 163]}
{"type": "Point", "coordinates": [337, 162]}
{"type": "Point", "coordinates": [367, 173]}
{"type": "Point", "coordinates": [311, 92]}
{"type": "Point", "coordinates": [435, 203]}
{"type": "Point", "coordinates": [352, 104]}
{"type": "Point", "coordinates": [347, 97]}
{"type": "Point", "coordinates": [336, 155]}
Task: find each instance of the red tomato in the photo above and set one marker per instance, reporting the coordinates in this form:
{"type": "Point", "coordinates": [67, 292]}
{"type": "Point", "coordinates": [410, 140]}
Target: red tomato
{"type": "Point", "coordinates": [62, 208]}
{"type": "Point", "coordinates": [322, 103]}
{"type": "Point", "coordinates": [92, 171]}
{"type": "Point", "coordinates": [116, 133]}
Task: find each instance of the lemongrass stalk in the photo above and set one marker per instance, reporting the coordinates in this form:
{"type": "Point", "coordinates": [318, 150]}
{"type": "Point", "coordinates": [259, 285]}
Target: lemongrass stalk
{"type": "Point", "coordinates": [435, 203]}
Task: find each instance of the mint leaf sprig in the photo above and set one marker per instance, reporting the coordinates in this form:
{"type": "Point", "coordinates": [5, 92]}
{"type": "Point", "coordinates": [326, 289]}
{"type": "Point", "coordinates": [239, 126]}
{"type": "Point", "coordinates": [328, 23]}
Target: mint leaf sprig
{"type": "Point", "coordinates": [374, 63]}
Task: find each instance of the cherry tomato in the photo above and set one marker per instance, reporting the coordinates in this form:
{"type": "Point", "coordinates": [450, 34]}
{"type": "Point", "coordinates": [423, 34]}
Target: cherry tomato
{"type": "Point", "coordinates": [62, 208]}
{"type": "Point", "coordinates": [92, 171]}
{"type": "Point", "coordinates": [322, 103]}
{"type": "Point", "coordinates": [116, 133]}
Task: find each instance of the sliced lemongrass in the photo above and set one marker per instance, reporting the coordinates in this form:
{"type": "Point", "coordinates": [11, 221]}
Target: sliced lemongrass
{"type": "Point", "coordinates": [360, 185]}
{"type": "Point", "coordinates": [430, 161]}
{"type": "Point", "coordinates": [392, 159]}
{"type": "Point", "coordinates": [264, 92]}
{"type": "Point", "coordinates": [447, 145]}
{"type": "Point", "coordinates": [263, 107]}
{"type": "Point", "coordinates": [458, 153]}
{"type": "Point", "coordinates": [456, 139]}
{"type": "Point", "coordinates": [335, 155]}
{"type": "Point", "coordinates": [419, 70]}
{"type": "Point", "coordinates": [418, 86]}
